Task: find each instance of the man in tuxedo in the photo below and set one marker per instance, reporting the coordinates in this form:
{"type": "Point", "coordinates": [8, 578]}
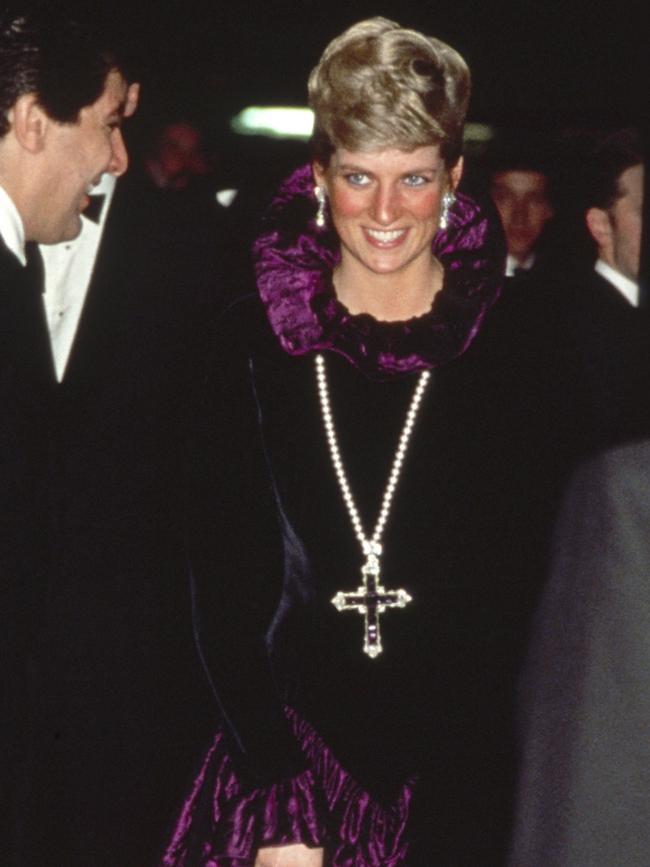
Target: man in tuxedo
{"type": "Point", "coordinates": [601, 329]}
{"type": "Point", "coordinates": [104, 710]}
{"type": "Point", "coordinates": [520, 191]}
{"type": "Point", "coordinates": [584, 793]}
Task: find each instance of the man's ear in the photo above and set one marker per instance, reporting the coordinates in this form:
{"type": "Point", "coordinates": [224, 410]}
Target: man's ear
{"type": "Point", "coordinates": [29, 122]}
{"type": "Point", "coordinates": [599, 225]}
{"type": "Point", "coordinates": [132, 99]}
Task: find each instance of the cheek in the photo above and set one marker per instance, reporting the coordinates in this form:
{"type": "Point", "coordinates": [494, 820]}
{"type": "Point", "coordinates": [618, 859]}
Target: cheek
{"type": "Point", "coordinates": [346, 203]}
{"type": "Point", "coordinates": [426, 206]}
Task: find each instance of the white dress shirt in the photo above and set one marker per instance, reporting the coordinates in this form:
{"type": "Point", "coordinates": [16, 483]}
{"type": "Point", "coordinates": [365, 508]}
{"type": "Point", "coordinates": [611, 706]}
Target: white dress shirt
{"type": "Point", "coordinates": [628, 288]}
{"type": "Point", "coordinates": [513, 264]}
{"type": "Point", "coordinates": [11, 227]}
{"type": "Point", "coordinates": [68, 269]}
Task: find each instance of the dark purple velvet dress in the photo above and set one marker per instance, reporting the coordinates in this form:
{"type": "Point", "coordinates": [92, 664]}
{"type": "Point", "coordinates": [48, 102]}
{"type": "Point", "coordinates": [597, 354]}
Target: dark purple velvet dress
{"type": "Point", "coordinates": [304, 782]}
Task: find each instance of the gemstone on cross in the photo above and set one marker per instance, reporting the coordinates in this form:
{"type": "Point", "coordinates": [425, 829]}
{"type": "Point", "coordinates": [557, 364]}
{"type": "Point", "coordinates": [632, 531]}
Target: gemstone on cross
{"type": "Point", "coordinates": [371, 600]}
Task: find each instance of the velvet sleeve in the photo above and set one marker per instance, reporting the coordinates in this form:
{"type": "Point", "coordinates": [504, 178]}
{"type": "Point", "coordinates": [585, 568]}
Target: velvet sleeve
{"type": "Point", "coordinates": [236, 562]}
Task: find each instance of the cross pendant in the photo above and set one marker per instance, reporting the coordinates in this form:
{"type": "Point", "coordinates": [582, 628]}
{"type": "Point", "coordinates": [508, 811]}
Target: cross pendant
{"type": "Point", "coordinates": [371, 600]}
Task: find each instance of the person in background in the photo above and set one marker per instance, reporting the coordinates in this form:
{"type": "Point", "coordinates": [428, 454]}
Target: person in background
{"type": "Point", "coordinates": [177, 158]}
{"type": "Point", "coordinates": [520, 191]}
{"type": "Point", "coordinates": [601, 329]}
{"type": "Point", "coordinates": [585, 773]}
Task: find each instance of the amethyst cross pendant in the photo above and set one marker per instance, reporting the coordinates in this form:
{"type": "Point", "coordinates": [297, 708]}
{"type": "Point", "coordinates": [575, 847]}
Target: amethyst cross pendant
{"type": "Point", "coordinates": [371, 600]}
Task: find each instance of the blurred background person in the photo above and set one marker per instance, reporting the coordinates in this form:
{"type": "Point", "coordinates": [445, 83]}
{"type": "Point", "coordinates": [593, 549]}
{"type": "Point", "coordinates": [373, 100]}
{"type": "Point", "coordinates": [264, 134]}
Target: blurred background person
{"type": "Point", "coordinates": [519, 187]}
{"type": "Point", "coordinates": [593, 304]}
{"type": "Point", "coordinates": [584, 785]}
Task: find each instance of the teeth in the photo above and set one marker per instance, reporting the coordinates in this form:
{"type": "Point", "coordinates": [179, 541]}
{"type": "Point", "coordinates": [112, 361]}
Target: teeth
{"type": "Point", "coordinates": [385, 236]}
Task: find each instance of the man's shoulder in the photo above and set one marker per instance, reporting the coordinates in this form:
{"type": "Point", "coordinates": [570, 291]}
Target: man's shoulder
{"type": "Point", "coordinates": [622, 473]}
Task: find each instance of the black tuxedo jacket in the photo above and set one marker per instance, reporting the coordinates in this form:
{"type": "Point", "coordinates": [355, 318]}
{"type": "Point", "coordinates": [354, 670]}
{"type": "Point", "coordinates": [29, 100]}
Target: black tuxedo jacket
{"type": "Point", "coordinates": [112, 712]}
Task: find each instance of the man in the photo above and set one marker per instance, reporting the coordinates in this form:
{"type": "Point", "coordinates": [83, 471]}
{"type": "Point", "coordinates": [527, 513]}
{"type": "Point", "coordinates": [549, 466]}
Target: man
{"type": "Point", "coordinates": [599, 325]}
{"type": "Point", "coordinates": [104, 710]}
{"type": "Point", "coordinates": [614, 198]}
{"type": "Point", "coordinates": [520, 191]}
{"type": "Point", "coordinates": [585, 779]}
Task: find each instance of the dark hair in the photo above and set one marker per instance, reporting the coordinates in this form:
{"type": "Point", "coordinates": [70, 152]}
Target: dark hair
{"type": "Point", "coordinates": [606, 163]}
{"type": "Point", "coordinates": [56, 56]}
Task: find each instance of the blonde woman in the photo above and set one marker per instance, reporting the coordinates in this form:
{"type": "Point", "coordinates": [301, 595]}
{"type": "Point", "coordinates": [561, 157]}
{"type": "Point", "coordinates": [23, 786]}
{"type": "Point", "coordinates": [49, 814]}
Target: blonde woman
{"type": "Point", "coordinates": [338, 598]}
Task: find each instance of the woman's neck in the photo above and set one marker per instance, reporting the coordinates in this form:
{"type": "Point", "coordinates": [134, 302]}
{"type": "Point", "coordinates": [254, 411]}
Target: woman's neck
{"type": "Point", "coordinates": [394, 297]}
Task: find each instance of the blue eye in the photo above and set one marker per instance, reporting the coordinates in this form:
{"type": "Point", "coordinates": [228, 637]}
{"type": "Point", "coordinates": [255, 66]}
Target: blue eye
{"type": "Point", "coordinates": [357, 179]}
{"type": "Point", "coordinates": [415, 180]}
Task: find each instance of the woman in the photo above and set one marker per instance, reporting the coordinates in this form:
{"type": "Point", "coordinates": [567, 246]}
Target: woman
{"type": "Point", "coordinates": [349, 613]}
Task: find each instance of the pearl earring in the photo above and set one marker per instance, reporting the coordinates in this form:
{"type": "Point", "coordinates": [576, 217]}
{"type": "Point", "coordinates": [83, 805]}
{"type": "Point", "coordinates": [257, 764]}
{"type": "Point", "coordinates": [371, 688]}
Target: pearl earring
{"type": "Point", "coordinates": [319, 192]}
{"type": "Point", "coordinates": [447, 201]}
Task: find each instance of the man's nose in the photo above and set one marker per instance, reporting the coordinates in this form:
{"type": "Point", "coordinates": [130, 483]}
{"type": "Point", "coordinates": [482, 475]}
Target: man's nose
{"type": "Point", "coordinates": [519, 213]}
{"type": "Point", "coordinates": [119, 161]}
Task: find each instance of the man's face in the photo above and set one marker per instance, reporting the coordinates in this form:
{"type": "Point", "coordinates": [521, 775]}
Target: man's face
{"type": "Point", "coordinates": [78, 154]}
{"type": "Point", "coordinates": [522, 200]}
{"type": "Point", "coordinates": [625, 217]}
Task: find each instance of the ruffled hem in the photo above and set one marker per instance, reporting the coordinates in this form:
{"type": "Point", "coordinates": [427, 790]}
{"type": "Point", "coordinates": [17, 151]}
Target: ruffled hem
{"type": "Point", "coordinates": [323, 806]}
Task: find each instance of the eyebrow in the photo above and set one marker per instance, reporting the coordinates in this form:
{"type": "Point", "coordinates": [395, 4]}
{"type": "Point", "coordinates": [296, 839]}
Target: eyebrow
{"type": "Point", "coordinates": [351, 167]}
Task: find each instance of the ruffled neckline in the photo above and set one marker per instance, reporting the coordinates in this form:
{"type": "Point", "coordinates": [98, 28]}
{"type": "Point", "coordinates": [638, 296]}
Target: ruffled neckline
{"type": "Point", "coordinates": [295, 260]}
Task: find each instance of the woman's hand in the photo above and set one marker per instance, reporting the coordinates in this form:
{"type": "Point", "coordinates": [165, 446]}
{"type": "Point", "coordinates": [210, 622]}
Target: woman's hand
{"type": "Point", "coordinates": [297, 855]}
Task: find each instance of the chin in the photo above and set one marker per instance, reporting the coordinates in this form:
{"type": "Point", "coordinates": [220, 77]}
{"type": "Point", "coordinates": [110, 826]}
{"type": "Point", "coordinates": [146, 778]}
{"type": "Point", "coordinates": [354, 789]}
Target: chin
{"type": "Point", "coordinates": [71, 230]}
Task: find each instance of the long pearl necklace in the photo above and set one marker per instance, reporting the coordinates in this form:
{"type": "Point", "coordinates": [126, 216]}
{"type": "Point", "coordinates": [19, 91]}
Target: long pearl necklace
{"type": "Point", "coordinates": [370, 599]}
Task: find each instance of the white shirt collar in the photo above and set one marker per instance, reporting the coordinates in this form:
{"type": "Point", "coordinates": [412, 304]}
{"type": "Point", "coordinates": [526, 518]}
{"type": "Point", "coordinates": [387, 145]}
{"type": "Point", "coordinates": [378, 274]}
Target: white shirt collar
{"type": "Point", "coordinates": [628, 288]}
{"type": "Point", "coordinates": [513, 264]}
{"type": "Point", "coordinates": [11, 227]}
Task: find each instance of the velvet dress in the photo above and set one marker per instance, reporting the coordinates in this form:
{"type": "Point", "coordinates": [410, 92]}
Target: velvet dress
{"type": "Point", "coordinates": [405, 758]}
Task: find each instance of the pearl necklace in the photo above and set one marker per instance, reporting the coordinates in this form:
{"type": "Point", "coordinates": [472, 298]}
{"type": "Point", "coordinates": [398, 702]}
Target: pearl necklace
{"type": "Point", "coordinates": [370, 599]}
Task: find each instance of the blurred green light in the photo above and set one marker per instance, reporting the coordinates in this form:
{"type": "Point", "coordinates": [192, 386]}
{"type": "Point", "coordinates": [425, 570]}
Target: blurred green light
{"type": "Point", "coordinates": [297, 123]}
{"type": "Point", "coordinates": [274, 121]}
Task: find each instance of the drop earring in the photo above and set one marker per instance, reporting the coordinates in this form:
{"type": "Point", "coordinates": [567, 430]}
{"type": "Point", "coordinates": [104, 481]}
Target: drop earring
{"type": "Point", "coordinates": [447, 201]}
{"type": "Point", "coordinates": [319, 192]}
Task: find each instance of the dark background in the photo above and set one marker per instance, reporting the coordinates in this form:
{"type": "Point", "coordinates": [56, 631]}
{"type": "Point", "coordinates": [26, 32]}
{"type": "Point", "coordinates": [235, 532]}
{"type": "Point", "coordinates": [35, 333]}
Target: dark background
{"type": "Point", "coordinates": [534, 63]}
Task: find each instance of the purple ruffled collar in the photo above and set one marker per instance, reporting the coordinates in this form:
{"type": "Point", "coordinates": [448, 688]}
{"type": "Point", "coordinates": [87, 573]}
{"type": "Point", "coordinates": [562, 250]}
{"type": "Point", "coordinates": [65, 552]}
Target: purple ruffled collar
{"type": "Point", "coordinates": [294, 263]}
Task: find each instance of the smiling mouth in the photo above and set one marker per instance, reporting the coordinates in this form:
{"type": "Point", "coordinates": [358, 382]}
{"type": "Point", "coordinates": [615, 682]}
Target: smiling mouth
{"type": "Point", "coordinates": [385, 237]}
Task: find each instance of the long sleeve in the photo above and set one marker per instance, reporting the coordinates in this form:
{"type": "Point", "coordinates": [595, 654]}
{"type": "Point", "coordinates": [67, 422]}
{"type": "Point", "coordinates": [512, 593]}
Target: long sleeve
{"type": "Point", "coordinates": [236, 561]}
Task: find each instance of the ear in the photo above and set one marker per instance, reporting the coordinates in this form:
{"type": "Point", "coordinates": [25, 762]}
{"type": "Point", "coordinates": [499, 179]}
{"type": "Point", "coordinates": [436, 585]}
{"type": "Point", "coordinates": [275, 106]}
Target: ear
{"type": "Point", "coordinates": [456, 173]}
{"type": "Point", "coordinates": [29, 122]}
{"type": "Point", "coordinates": [599, 225]}
{"type": "Point", "coordinates": [318, 171]}
{"type": "Point", "coordinates": [132, 99]}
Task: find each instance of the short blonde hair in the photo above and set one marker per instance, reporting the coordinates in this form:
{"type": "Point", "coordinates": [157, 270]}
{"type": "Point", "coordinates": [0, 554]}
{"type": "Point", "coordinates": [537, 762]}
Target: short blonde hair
{"type": "Point", "coordinates": [378, 85]}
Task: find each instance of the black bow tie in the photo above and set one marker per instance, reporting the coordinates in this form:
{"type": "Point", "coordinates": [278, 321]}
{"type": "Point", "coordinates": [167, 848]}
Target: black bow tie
{"type": "Point", "coordinates": [94, 209]}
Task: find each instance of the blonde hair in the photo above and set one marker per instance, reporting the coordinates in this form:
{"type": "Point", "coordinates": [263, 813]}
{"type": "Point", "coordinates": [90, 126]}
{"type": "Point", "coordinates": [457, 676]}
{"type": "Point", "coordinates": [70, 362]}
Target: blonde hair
{"type": "Point", "coordinates": [379, 85]}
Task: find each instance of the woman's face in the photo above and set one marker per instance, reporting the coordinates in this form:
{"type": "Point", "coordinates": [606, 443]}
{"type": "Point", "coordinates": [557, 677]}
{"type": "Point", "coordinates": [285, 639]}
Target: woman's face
{"type": "Point", "coordinates": [386, 204]}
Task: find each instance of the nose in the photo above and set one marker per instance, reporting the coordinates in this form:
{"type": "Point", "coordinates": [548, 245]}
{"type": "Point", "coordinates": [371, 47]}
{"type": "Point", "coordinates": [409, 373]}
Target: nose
{"type": "Point", "coordinates": [519, 213]}
{"type": "Point", "coordinates": [385, 204]}
{"type": "Point", "coordinates": [119, 161]}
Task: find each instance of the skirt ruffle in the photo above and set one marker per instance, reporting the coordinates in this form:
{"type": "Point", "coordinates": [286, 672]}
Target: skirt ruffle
{"type": "Point", "coordinates": [323, 806]}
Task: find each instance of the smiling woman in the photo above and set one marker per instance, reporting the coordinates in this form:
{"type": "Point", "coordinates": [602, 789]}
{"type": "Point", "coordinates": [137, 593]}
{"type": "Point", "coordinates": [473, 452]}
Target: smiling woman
{"type": "Point", "coordinates": [386, 206]}
{"type": "Point", "coordinates": [330, 549]}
